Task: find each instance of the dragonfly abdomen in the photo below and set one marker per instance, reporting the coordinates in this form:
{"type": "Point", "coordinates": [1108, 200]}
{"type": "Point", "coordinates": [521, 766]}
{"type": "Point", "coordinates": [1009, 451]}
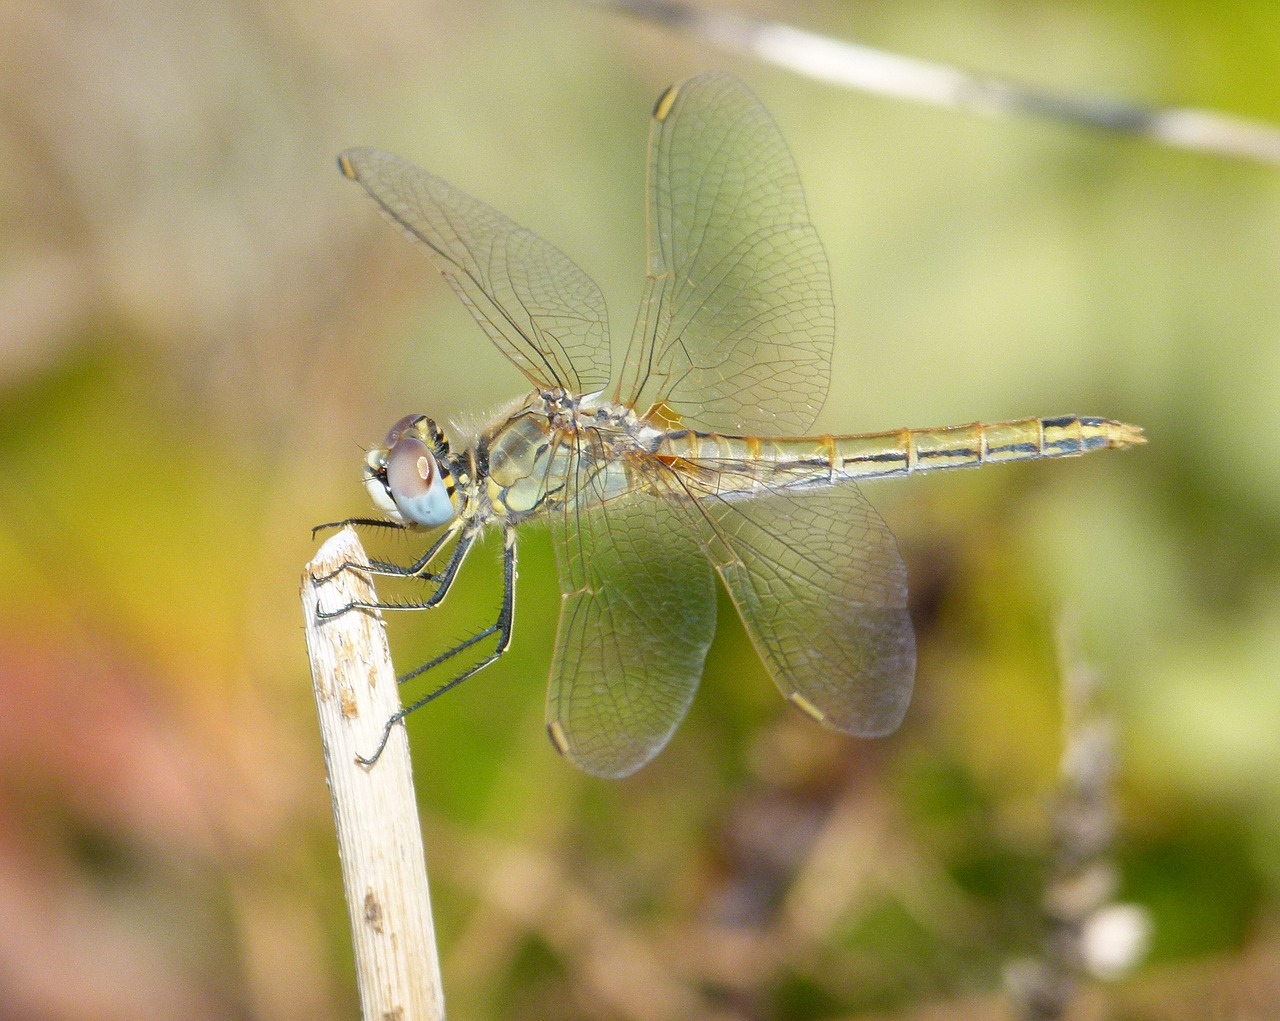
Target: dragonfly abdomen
{"type": "Point", "coordinates": [907, 451]}
{"type": "Point", "coordinates": [749, 464]}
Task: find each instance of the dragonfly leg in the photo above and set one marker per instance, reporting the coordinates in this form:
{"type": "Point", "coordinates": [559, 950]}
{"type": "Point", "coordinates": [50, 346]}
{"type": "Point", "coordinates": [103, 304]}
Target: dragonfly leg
{"type": "Point", "coordinates": [357, 523]}
{"type": "Point", "coordinates": [382, 567]}
{"type": "Point", "coordinates": [443, 581]}
{"type": "Point", "coordinates": [501, 627]}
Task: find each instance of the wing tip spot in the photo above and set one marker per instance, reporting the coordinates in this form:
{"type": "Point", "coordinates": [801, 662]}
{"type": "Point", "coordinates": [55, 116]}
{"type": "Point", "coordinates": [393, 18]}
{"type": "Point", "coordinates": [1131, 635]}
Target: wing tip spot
{"type": "Point", "coordinates": [560, 740]}
{"type": "Point", "coordinates": [347, 167]}
{"type": "Point", "coordinates": [665, 102]}
{"type": "Point", "coordinates": [806, 707]}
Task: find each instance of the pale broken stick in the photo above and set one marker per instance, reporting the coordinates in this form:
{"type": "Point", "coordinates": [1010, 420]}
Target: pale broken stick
{"type": "Point", "coordinates": [379, 837]}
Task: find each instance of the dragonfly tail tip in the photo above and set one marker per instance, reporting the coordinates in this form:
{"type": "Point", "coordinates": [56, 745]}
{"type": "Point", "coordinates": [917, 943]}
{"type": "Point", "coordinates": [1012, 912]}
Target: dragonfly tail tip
{"type": "Point", "coordinates": [1122, 434]}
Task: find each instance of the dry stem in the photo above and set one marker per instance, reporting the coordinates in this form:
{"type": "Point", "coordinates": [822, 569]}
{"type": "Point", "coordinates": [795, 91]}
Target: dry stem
{"type": "Point", "coordinates": [379, 836]}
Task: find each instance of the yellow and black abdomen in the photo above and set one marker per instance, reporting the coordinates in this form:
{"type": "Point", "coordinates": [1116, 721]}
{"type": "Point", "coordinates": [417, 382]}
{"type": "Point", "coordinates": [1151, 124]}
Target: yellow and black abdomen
{"type": "Point", "coordinates": [745, 465]}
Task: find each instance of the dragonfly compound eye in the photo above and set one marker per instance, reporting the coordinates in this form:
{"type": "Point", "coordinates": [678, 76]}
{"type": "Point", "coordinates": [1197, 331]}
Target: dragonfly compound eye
{"type": "Point", "coordinates": [375, 484]}
{"type": "Point", "coordinates": [417, 485]}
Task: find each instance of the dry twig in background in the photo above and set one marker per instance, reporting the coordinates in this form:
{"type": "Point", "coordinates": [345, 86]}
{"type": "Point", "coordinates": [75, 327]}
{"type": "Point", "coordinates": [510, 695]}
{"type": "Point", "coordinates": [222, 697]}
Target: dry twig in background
{"type": "Point", "coordinates": [883, 73]}
{"type": "Point", "coordinates": [1086, 934]}
{"type": "Point", "coordinates": [379, 837]}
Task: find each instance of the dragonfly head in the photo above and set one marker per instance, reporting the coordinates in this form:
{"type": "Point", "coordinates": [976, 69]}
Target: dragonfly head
{"type": "Point", "coordinates": [408, 478]}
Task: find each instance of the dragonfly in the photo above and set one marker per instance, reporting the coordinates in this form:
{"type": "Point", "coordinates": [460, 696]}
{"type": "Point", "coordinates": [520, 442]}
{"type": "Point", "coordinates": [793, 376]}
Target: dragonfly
{"type": "Point", "coordinates": [687, 463]}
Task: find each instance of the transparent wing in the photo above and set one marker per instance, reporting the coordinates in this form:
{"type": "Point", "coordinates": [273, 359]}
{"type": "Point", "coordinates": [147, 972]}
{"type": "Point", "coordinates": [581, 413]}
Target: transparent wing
{"type": "Point", "coordinates": [821, 587]}
{"type": "Point", "coordinates": [637, 616]}
{"type": "Point", "coordinates": [736, 324]}
{"type": "Point", "coordinates": [536, 305]}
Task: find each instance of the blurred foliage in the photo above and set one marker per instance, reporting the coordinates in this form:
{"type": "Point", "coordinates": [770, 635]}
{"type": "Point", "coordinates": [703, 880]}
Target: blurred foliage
{"type": "Point", "coordinates": [201, 324]}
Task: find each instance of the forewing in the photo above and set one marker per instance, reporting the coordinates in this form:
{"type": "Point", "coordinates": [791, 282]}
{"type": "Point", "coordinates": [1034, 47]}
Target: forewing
{"type": "Point", "coordinates": [536, 305]}
{"type": "Point", "coordinates": [636, 620]}
{"type": "Point", "coordinates": [821, 587]}
{"type": "Point", "coordinates": [736, 326]}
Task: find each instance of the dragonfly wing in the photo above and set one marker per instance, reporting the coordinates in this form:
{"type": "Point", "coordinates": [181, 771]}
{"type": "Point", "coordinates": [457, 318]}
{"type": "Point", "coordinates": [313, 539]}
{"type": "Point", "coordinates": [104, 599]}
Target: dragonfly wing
{"type": "Point", "coordinates": [821, 587]}
{"type": "Point", "coordinates": [736, 327]}
{"type": "Point", "coordinates": [637, 617]}
{"type": "Point", "coordinates": [536, 305]}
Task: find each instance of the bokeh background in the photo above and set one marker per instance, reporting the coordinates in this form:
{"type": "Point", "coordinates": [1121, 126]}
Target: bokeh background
{"type": "Point", "coordinates": [202, 324]}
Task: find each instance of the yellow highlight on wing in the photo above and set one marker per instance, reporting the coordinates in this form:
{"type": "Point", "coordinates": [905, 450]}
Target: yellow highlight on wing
{"type": "Point", "coordinates": [663, 416]}
{"type": "Point", "coordinates": [665, 102]}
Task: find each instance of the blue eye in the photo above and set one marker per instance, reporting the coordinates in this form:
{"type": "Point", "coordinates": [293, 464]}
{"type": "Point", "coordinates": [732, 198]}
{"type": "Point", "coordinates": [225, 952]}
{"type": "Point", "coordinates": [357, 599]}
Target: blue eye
{"type": "Point", "coordinates": [417, 485]}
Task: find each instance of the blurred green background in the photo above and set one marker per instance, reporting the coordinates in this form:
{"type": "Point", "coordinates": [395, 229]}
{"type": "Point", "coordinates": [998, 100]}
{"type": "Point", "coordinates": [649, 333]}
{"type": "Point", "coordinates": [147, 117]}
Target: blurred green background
{"type": "Point", "coordinates": [202, 324]}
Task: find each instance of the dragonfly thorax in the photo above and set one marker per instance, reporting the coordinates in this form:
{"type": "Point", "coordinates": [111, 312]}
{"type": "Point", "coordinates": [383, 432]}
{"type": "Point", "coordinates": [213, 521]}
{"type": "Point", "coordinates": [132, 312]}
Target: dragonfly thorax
{"type": "Point", "coordinates": [561, 408]}
{"type": "Point", "coordinates": [527, 458]}
{"type": "Point", "coordinates": [567, 413]}
{"type": "Point", "coordinates": [409, 478]}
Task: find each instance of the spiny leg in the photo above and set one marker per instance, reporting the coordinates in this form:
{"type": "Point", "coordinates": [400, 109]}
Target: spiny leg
{"type": "Point", "coordinates": [444, 581]}
{"type": "Point", "coordinates": [358, 523]}
{"type": "Point", "coordinates": [502, 628]}
{"type": "Point", "coordinates": [382, 567]}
